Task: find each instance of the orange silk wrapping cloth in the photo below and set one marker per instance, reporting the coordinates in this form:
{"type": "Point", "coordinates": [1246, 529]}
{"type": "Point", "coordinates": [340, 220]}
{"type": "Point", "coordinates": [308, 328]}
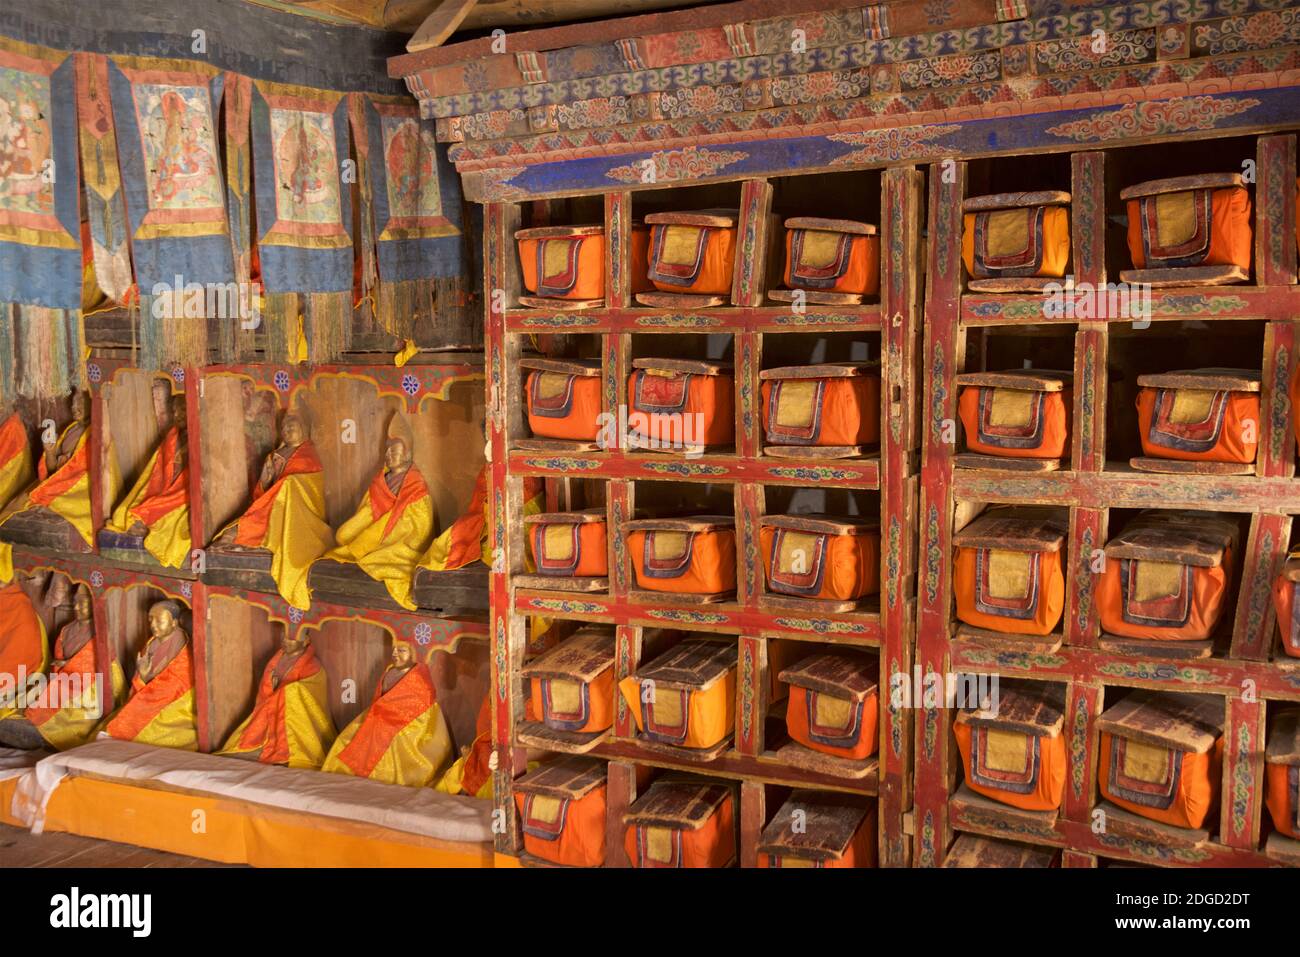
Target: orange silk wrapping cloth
{"type": "Point", "coordinates": [832, 404]}
{"type": "Point", "coordinates": [1286, 606]}
{"type": "Point", "coordinates": [161, 711]}
{"type": "Point", "coordinates": [1016, 415]}
{"type": "Point", "coordinates": [16, 471]}
{"type": "Point", "coordinates": [24, 647]}
{"type": "Point", "coordinates": [831, 830]}
{"type": "Point", "coordinates": [692, 253]}
{"type": "Point", "coordinates": [67, 492]}
{"type": "Point", "coordinates": [564, 398]}
{"type": "Point", "coordinates": [1008, 574]}
{"type": "Point", "coordinates": [1016, 235]}
{"type": "Point", "coordinates": [569, 544]}
{"type": "Point", "coordinates": [66, 724]}
{"type": "Point", "coordinates": [1014, 751]}
{"type": "Point", "coordinates": [694, 556]}
{"type": "Point", "coordinates": [401, 738]}
{"type": "Point", "coordinates": [563, 262]}
{"type": "Point", "coordinates": [1167, 576]}
{"type": "Point", "coordinates": [290, 724]}
{"type": "Point", "coordinates": [833, 705]}
{"type": "Point", "coordinates": [687, 696]}
{"type": "Point", "coordinates": [562, 810]}
{"type": "Point", "coordinates": [1282, 773]}
{"type": "Point", "coordinates": [818, 557]}
{"type": "Point", "coordinates": [160, 500]}
{"type": "Point", "coordinates": [832, 255]}
{"type": "Point", "coordinates": [1189, 227]}
{"type": "Point", "coordinates": [680, 404]}
{"type": "Point", "coordinates": [572, 685]}
{"type": "Point", "coordinates": [1203, 415]}
{"type": "Point", "coordinates": [682, 823]}
{"type": "Point", "coordinates": [466, 540]}
{"type": "Point", "coordinates": [1162, 755]}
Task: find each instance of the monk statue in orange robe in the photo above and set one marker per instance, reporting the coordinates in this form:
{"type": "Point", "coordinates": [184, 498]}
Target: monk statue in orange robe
{"type": "Point", "coordinates": [471, 773]}
{"type": "Point", "coordinates": [157, 507]}
{"type": "Point", "coordinates": [160, 707]}
{"type": "Point", "coordinates": [63, 474]}
{"type": "Point", "coordinates": [287, 516]}
{"type": "Point", "coordinates": [72, 704]}
{"type": "Point", "coordinates": [392, 525]}
{"type": "Point", "coordinates": [290, 723]}
{"type": "Point", "coordinates": [24, 654]}
{"type": "Point", "coordinates": [402, 737]}
{"type": "Point", "coordinates": [16, 469]}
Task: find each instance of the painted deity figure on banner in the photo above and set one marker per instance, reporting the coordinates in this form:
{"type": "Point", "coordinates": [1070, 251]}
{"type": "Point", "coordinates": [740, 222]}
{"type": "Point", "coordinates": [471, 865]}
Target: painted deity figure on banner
{"type": "Point", "coordinates": [402, 738]}
{"type": "Point", "coordinates": [180, 147]}
{"type": "Point", "coordinates": [160, 709]}
{"type": "Point", "coordinates": [409, 156]}
{"type": "Point", "coordinates": [26, 144]}
{"type": "Point", "coordinates": [290, 723]}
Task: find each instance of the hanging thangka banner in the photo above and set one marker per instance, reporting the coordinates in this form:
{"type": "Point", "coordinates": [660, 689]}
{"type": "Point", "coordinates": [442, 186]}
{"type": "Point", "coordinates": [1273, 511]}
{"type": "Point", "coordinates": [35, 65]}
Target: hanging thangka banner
{"type": "Point", "coordinates": [40, 223]}
{"type": "Point", "coordinates": [304, 219]}
{"type": "Point", "coordinates": [165, 112]}
{"type": "Point", "coordinates": [236, 340]}
{"type": "Point", "coordinates": [411, 214]}
{"type": "Point", "coordinates": [105, 205]}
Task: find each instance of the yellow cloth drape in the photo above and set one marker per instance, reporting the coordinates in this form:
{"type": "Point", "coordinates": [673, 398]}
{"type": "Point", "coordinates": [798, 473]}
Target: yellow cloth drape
{"type": "Point", "coordinates": [175, 726]}
{"type": "Point", "coordinates": [168, 538]}
{"type": "Point", "coordinates": [451, 780]}
{"type": "Point", "coordinates": [389, 556]}
{"type": "Point", "coordinates": [70, 727]}
{"type": "Point", "coordinates": [6, 563]}
{"type": "Point", "coordinates": [414, 756]}
{"type": "Point", "coordinates": [307, 722]}
{"type": "Point", "coordinates": [16, 474]}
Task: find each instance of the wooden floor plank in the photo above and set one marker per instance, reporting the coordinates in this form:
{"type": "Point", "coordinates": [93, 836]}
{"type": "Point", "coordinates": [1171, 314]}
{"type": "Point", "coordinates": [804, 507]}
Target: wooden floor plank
{"type": "Point", "coordinates": [21, 848]}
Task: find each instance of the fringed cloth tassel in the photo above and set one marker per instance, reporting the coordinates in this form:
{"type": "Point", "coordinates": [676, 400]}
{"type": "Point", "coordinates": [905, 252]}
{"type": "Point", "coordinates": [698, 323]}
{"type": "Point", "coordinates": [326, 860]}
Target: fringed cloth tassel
{"type": "Point", "coordinates": [453, 301]}
{"type": "Point", "coordinates": [280, 311]}
{"type": "Point", "coordinates": [8, 379]}
{"type": "Point", "coordinates": [400, 305]}
{"type": "Point", "coordinates": [173, 330]}
{"type": "Point", "coordinates": [328, 325]}
{"type": "Point", "coordinates": [49, 345]}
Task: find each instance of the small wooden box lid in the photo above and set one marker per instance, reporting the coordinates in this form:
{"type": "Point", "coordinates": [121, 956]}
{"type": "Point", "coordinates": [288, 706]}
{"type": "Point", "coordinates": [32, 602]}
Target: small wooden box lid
{"type": "Point", "coordinates": [838, 674]}
{"type": "Point", "coordinates": [694, 664]}
{"type": "Point", "coordinates": [1169, 719]}
{"type": "Point", "coordinates": [683, 366]}
{"type": "Point", "coordinates": [822, 524]}
{"type": "Point", "coordinates": [1036, 380]}
{"type": "Point", "coordinates": [831, 225]}
{"type": "Point", "coordinates": [973, 850]}
{"type": "Point", "coordinates": [1031, 707]}
{"type": "Point", "coordinates": [1021, 529]}
{"type": "Point", "coordinates": [679, 802]}
{"type": "Point", "coordinates": [1185, 538]}
{"type": "Point", "coordinates": [1179, 184]}
{"type": "Point", "coordinates": [1284, 739]}
{"type": "Point", "coordinates": [582, 367]}
{"type": "Point", "coordinates": [559, 232]}
{"type": "Point", "coordinates": [699, 523]}
{"type": "Point", "coordinates": [581, 657]}
{"type": "Point", "coordinates": [717, 218]}
{"type": "Point", "coordinates": [583, 517]}
{"type": "Point", "coordinates": [1218, 380]}
{"type": "Point", "coordinates": [1040, 197]}
{"type": "Point", "coordinates": [824, 370]}
{"type": "Point", "coordinates": [568, 777]}
{"type": "Point", "coordinates": [829, 822]}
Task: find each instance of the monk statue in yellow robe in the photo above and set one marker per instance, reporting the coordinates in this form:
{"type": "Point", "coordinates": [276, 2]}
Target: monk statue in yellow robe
{"type": "Point", "coordinates": [287, 516]}
{"type": "Point", "coordinates": [402, 737]}
{"type": "Point", "coordinates": [160, 707]}
{"type": "Point", "coordinates": [24, 654]}
{"type": "Point", "coordinates": [158, 505]}
{"type": "Point", "coordinates": [63, 473]}
{"type": "Point", "coordinates": [290, 722]}
{"type": "Point", "coordinates": [72, 704]}
{"type": "Point", "coordinates": [392, 525]}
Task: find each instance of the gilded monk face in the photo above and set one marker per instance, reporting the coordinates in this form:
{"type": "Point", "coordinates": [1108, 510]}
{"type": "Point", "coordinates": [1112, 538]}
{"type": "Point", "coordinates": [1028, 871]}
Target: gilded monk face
{"type": "Point", "coordinates": [161, 622]}
{"type": "Point", "coordinates": [395, 455]}
{"type": "Point", "coordinates": [178, 409]}
{"type": "Point", "coordinates": [293, 642]}
{"type": "Point", "coordinates": [291, 430]}
{"type": "Point", "coordinates": [81, 605]}
{"type": "Point", "coordinates": [403, 655]}
{"type": "Point", "coordinates": [80, 405]}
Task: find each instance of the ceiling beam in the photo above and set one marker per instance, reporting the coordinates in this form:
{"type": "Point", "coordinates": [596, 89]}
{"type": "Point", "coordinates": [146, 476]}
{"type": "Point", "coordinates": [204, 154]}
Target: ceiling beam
{"type": "Point", "coordinates": [440, 24]}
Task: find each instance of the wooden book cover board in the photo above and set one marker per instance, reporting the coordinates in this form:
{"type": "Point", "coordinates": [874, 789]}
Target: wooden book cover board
{"type": "Point", "coordinates": [1031, 707]}
{"type": "Point", "coordinates": [827, 824]}
{"type": "Point", "coordinates": [824, 370]}
{"type": "Point", "coordinates": [1024, 529]}
{"type": "Point", "coordinates": [1214, 380]}
{"type": "Point", "coordinates": [1185, 538]}
{"type": "Point", "coordinates": [582, 367]}
{"type": "Point", "coordinates": [682, 803]}
{"type": "Point", "coordinates": [569, 777]}
{"type": "Point", "coordinates": [1170, 719]}
{"type": "Point", "coordinates": [834, 673]}
{"type": "Point", "coordinates": [1039, 380]}
{"type": "Point", "coordinates": [1179, 184]}
{"type": "Point", "coordinates": [694, 664]}
{"type": "Point", "coordinates": [581, 657]}
{"type": "Point", "coordinates": [1284, 739]}
{"type": "Point", "coordinates": [818, 224]}
{"type": "Point", "coordinates": [1042, 197]}
{"type": "Point", "coordinates": [974, 850]}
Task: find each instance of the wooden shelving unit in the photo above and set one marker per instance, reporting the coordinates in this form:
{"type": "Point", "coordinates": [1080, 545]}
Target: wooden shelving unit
{"type": "Point", "coordinates": [1248, 670]}
{"type": "Point", "coordinates": [754, 325]}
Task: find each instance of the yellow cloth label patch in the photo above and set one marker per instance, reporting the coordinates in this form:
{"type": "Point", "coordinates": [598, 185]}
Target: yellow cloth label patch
{"type": "Point", "coordinates": [552, 384]}
{"type": "Point", "coordinates": [667, 546]}
{"type": "Point", "coordinates": [566, 696]}
{"type": "Point", "coordinates": [1152, 580]}
{"type": "Point", "coordinates": [1006, 751]}
{"type": "Point", "coordinates": [1146, 762]}
{"type": "Point", "coordinates": [666, 709]}
{"type": "Point", "coordinates": [797, 403]}
{"type": "Point", "coordinates": [1008, 231]}
{"type": "Point", "coordinates": [1011, 408]}
{"type": "Point", "coordinates": [680, 245]}
{"type": "Point", "coordinates": [795, 556]}
{"type": "Point", "coordinates": [544, 809]}
{"type": "Point", "coordinates": [832, 712]}
{"type": "Point", "coordinates": [1175, 217]}
{"type": "Point", "coordinates": [1009, 573]}
{"type": "Point", "coordinates": [659, 844]}
{"type": "Point", "coordinates": [820, 249]}
{"type": "Point", "coordinates": [557, 543]}
{"type": "Point", "coordinates": [555, 257]}
{"type": "Point", "coordinates": [1191, 405]}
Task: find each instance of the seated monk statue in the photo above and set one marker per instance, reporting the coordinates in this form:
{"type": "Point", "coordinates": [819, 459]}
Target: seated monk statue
{"type": "Point", "coordinates": [158, 505]}
{"type": "Point", "coordinates": [471, 773]}
{"type": "Point", "coordinates": [160, 706]}
{"type": "Point", "coordinates": [393, 523]}
{"type": "Point", "coordinates": [16, 470]}
{"type": "Point", "coordinates": [63, 473]}
{"type": "Point", "coordinates": [290, 722]}
{"type": "Point", "coordinates": [287, 517]}
{"type": "Point", "coordinates": [402, 737]}
{"type": "Point", "coordinates": [69, 710]}
{"type": "Point", "coordinates": [24, 653]}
